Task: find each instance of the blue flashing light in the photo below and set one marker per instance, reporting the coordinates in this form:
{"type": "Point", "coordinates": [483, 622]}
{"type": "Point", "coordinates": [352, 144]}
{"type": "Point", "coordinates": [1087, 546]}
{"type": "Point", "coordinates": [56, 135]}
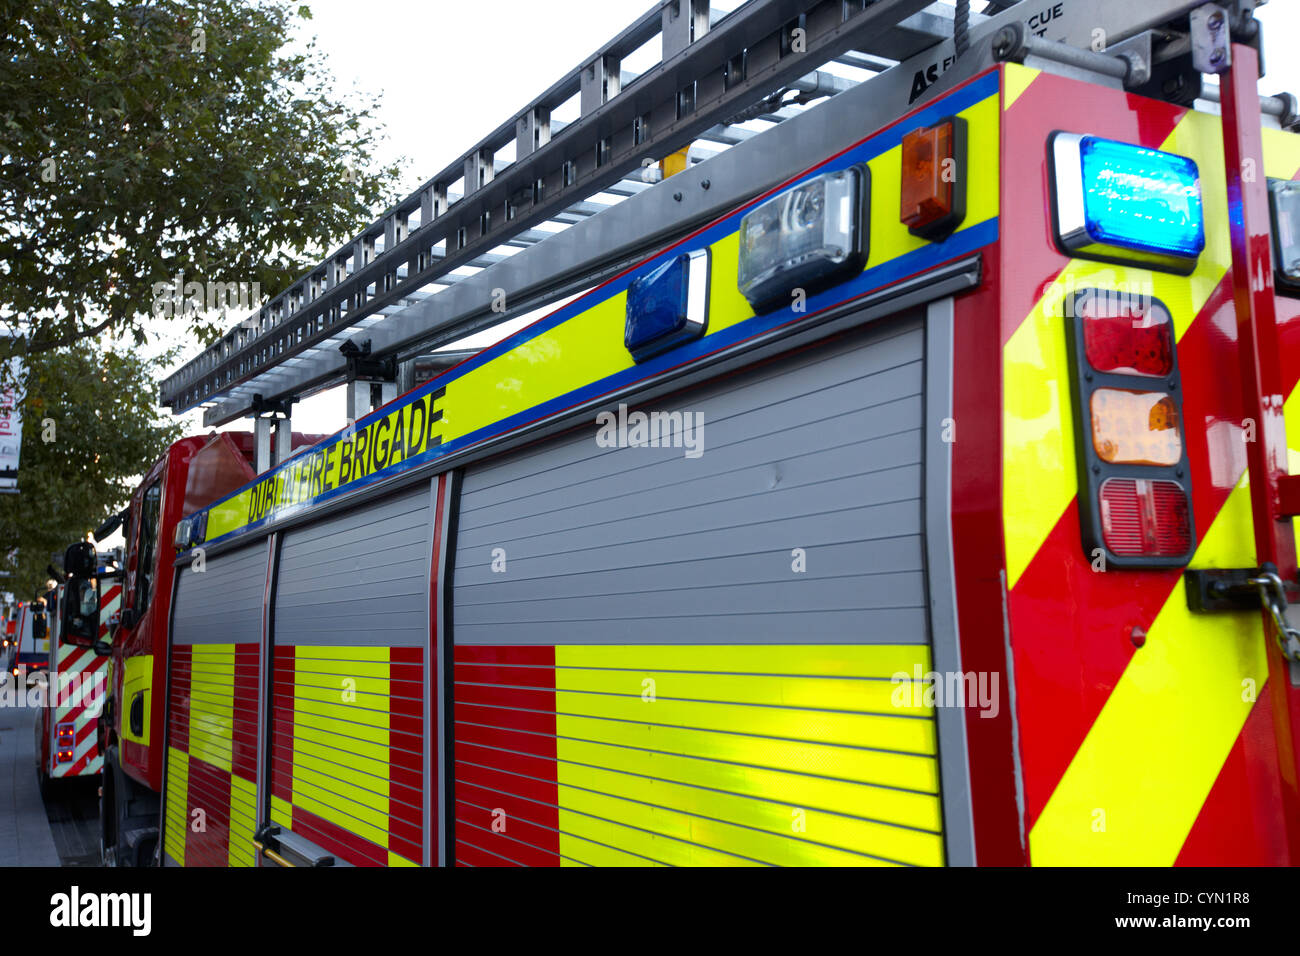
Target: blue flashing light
{"type": "Point", "coordinates": [1141, 199]}
{"type": "Point", "coordinates": [668, 305]}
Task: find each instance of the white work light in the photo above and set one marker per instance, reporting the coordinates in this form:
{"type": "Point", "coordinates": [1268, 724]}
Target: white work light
{"type": "Point", "coordinates": [806, 238]}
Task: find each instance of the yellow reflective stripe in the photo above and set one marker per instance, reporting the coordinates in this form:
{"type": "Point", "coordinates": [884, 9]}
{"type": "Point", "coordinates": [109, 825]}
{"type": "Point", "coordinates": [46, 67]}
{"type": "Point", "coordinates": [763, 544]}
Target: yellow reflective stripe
{"type": "Point", "coordinates": [243, 821]}
{"type": "Point", "coordinates": [828, 693]}
{"type": "Point", "coordinates": [672, 836]}
{"type": "Point", "coordinates": [322, 732]}
{"type": "Point", "coordinates": [917, 810]}
{"type": "Point", "coordinates": [397, 860]}
{"type": "Point", "coordinates": [575, 851]}
{"type": "Point", "coordinates": [826, 660]}
{"type": "Point", "coordinates": [324, 672]}
{"type": "Point", "coordinates": [351, 816]}
{"type": "Point", "coordinates": [1038, 460]}
{"type": "Point", "coordinates": [348, 781]}
{"type": "Point", "coordinates": [1015, 80]}
{"type": "Point", "coordinates": [341, 748]}
{"type": "Point", "coordinates": [212, 688]}
{"type": "Point", "coordinates": [587, 347]}
{"type": "Point", "coordinates": [907, 734]}
{"type": "Point", "coordinates": [767, 753]}
{"type": "Point", "coordinates": [178, 788]}
{"type": "Point", "coordinates": [368, 706]}
{"type": "Point", "coordinates": [281, 811]}
{"type": "Point", "coordinates": [664, 850]}
{"type": "Point", "coordinates": [774, 831]}
{"type": "Point", "coordinates": [865, 766]}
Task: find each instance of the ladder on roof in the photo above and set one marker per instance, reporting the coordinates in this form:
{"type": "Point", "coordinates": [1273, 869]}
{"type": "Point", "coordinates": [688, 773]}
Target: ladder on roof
{"type": "Point", "coordinates": [426, 272]}
{"type": "Point", "coordinates": [713, 81]}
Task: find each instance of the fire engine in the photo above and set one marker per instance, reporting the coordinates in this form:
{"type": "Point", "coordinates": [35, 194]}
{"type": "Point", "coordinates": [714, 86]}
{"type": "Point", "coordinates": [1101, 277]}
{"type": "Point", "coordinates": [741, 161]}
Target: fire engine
{"type": "Point", "coordinates": [978, 551]}
{"type": "Point", "coordinates": [67, 738]}
{"type": "Point", "coordinates": [31, 640]}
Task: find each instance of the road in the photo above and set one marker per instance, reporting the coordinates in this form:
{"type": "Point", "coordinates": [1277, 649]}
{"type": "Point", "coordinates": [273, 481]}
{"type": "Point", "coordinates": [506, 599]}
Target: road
{"type": "Point", "coordinates": [62, 831]}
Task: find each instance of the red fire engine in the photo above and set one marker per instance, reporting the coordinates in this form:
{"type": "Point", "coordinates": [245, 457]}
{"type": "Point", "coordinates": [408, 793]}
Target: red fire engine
{"type": "Point", "coordinates": [909, 486]}
{"type": "Point", "coordinates": [67, 740]}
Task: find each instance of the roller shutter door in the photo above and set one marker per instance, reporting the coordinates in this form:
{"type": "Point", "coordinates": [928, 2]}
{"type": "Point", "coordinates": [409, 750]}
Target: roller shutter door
{"type": "Point", "coordinates": [212, 743]}
{"type": "Point", "coordinates": [665, 659]}
{"type": "Point", "coordinates": [350, 627]}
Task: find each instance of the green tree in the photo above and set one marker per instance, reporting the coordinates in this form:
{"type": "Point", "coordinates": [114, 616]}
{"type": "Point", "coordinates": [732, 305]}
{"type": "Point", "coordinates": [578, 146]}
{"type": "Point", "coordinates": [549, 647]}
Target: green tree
{"type": "Point", "coordinates": [90, 429]}
{"type": "Point", "coordinates": [139, 140]}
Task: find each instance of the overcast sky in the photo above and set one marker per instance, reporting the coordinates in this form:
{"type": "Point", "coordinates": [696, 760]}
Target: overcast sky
{"type": "Point", "coordinates": [449, 73]}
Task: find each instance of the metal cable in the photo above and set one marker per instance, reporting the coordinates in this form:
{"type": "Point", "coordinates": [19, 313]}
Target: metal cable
{"type": "Point", "coordinates": [961, 26]}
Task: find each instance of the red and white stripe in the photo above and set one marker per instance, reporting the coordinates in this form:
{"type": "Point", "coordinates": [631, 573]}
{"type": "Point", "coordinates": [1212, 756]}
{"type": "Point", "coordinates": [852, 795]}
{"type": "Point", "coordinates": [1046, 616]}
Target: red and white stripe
{"type": "Point", "coordinates": [80, 686]}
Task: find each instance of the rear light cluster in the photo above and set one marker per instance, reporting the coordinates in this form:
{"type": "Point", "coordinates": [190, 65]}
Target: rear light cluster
{"type": "Point", "coordinates": [66, 740]}
{"type": "Point", "coordinates": [1134, 495]}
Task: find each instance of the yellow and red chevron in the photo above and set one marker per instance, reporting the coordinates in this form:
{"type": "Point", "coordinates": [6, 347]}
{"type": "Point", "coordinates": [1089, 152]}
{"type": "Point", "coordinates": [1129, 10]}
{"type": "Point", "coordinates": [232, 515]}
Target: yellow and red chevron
{"type": "Point", "coordinates": [1159, 753]}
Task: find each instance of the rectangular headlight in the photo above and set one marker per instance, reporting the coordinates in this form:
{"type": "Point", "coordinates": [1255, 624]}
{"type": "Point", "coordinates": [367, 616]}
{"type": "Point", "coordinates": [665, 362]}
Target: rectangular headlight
{"type": "Point", "coordinates": [1117, 202]}
{"type": "Point", "coordinates": [806, 238]}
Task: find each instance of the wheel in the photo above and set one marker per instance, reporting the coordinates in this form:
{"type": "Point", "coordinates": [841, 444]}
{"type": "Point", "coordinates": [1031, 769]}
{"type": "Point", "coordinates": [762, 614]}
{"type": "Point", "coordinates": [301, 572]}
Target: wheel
{"type": "Point", "coordinates": [108, 810]}
{"type": "Point", "coordinates": [45, 785]}
{"type": "Point", "coordinates": [129, 817]}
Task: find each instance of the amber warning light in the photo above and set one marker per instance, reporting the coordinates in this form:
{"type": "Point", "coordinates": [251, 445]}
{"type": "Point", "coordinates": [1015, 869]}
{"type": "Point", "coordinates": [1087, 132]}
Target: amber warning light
{"type": "Point", "coordinates": [933, 192]}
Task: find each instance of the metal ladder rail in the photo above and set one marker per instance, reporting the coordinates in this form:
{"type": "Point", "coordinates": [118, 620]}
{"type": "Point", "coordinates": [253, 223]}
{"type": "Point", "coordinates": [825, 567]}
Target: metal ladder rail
{"type": "Point", "coordinates": [699, 83]}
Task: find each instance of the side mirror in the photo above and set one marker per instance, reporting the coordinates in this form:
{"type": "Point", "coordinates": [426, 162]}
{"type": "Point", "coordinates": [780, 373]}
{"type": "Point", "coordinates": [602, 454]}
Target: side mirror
{"type": "Point", "coordinates": [79, 560]}
{"type": "Point", "coordinates": [102, 649]}
{"type": "Point", "coordinates": [80, 612]}
{"type": "Point", "coordinates": [39, 627]}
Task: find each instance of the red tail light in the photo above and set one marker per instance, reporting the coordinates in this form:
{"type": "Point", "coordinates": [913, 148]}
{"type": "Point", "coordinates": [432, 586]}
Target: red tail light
{"type": "Point", "coordinates": [1129, 341]}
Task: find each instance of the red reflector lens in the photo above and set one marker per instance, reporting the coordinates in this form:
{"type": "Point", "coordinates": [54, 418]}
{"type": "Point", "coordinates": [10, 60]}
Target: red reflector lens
{"type": "Point", "coordinates": [1141, 517]}
{"type": "Point", "coordinates": [929, 172]}
{"type": "Point", "coordinates": [1129, 341]}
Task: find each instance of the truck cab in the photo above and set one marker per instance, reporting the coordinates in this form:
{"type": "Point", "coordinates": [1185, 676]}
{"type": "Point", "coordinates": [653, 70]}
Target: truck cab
{"type": "Point", "coordinates": [192, 473]}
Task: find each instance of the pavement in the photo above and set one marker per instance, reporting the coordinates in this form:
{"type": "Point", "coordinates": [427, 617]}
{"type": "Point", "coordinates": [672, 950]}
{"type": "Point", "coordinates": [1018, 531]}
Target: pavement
{"type": "Point", "coordinates": [25, 835]}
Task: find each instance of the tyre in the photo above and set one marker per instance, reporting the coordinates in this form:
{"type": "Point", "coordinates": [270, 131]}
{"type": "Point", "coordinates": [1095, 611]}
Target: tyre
{"type": "Point", "coordinates": [128, 817]}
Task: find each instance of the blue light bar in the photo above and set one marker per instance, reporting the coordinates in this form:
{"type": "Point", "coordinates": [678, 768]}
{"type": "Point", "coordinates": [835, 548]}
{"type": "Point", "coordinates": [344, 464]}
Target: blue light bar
{"type": "Point", "coordinates": [668, 306]}
{"type": "Point", "coordinates": [1123, 203]}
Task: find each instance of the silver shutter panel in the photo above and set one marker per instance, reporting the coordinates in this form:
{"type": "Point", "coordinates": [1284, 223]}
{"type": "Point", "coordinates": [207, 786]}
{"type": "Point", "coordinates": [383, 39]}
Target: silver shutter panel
{"type": "Point", "coordinates": [222, 604]}
{"type": "Point", "coordinates": [821, 451]}
{"type": "Point", "coordinates": [359, 578]}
